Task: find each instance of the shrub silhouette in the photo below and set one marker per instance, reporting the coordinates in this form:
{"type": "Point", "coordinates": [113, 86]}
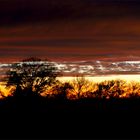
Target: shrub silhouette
{"type": "Point", "coordinates": [63, 90]}
{"type": "Point", "coordinates": [2, 94]}
{"type": "Point", "coordinates": [110, 89]}
{"type": "Point", "coordinates": [59, 90]}
{"type": "Point", "coordinates": [80, 87]}
{"type": "Point", "coordinates": [31, 77]}
{"type": "Point", "coordinates": [134, 90]}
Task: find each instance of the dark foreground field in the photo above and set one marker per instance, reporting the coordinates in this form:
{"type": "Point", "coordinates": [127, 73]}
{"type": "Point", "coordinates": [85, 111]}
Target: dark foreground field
{"type": "Point", "coordinates": [55, 118]}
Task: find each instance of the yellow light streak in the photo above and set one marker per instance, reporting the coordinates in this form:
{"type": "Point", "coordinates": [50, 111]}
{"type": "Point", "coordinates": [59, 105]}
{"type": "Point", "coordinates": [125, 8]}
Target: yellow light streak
{"type": "Point", "coordinates": [102, 78]}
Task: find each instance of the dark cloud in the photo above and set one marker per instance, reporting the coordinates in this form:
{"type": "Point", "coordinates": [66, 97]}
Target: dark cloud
{"type": "Point", "coordinates": [45, 43]}
{"type": "Point", "coordinates": [69, 29]}
{"type": "Point", "coordinates": [13, 12]}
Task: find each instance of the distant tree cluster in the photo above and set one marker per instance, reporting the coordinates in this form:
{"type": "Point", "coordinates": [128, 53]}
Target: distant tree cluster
{"type": "Point", "coordinates": [34, 77]}
{"type": "Point", "coordinates": [31, 77]}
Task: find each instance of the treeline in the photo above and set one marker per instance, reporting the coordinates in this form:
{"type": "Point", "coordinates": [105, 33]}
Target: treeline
{"type": "Point", "coordinates": [80, 88]}
{"type": "Point", "coordinates": [34, 77]}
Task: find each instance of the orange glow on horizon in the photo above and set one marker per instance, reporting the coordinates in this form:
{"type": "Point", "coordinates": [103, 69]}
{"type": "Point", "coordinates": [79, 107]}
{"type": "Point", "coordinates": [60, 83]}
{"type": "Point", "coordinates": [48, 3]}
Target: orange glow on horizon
{"type": "Point", "coordinates": [96, 79]}
{"type": "Point", "coordinates": [130, 82]}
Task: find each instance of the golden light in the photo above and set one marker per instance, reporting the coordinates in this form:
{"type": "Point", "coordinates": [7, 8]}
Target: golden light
{"type": "Point", "coordinates": [129, 87]}
{"type": "Point", "coordinates": [96, 79]}
{"type": "Point", "coordinates": [4, 91]}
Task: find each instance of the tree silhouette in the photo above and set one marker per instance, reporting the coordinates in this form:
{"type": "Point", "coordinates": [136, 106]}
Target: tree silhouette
{"type": "Point", "coordinates": [31, 77]}
{"type": "Point", "coordinates": [110, 89]}
{"type": "Point", "coordinates": [63, 90]}
{"type": "Point", "coordinates": [80, 86]}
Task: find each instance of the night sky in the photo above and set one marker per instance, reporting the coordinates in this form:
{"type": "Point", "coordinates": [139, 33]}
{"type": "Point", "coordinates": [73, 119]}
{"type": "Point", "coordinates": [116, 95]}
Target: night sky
{"type": "Point", "coordinates": [69, 30]}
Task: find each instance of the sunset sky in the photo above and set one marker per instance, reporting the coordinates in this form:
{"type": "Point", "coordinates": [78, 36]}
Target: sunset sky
{"type": "Point", "coordinates": [69, 29]}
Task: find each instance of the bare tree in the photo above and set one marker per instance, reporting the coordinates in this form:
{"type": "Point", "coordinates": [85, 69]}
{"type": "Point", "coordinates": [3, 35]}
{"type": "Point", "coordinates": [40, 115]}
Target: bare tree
{"type": "Point", "coordinates": [81, 85]}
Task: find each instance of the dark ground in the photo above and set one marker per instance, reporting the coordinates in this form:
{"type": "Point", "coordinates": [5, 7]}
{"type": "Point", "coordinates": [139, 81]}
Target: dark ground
{"type": "Point", "coordinates": [87, 118]}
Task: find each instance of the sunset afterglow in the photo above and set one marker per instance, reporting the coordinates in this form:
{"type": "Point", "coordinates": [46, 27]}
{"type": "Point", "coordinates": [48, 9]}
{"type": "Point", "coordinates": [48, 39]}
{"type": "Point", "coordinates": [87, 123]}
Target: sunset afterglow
{"type": "Point", "coordinates": [97, 79]}
{"type": "Point", "coordinates": [130, 80]}
{"type": "Point", "coordinates": [69, 67]}
{"type": "Point", "coordinates": [70, 30]}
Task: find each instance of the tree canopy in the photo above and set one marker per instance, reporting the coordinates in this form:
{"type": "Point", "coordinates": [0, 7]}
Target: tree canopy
{"type": "Point", "coordinates": [31, 76]}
